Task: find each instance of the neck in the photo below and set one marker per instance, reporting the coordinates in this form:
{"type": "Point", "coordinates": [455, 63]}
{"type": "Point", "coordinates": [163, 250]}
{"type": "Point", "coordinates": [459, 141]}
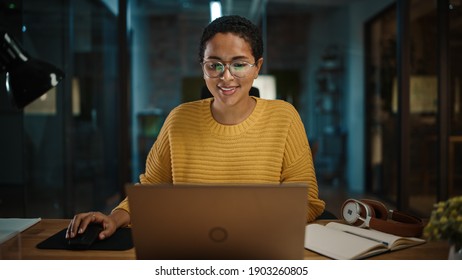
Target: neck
{"type": "Point", "coordinates": [232, 115]}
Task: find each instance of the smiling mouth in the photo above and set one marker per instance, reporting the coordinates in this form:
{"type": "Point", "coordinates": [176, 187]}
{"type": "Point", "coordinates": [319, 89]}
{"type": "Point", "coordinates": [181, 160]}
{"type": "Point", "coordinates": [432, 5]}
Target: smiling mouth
{"type": "Point", "coordinates": [227, 90]}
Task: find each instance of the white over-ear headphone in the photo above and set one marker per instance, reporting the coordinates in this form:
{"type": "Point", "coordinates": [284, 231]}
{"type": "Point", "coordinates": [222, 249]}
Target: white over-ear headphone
{"type": "Point", "coordinates": [368, 213]}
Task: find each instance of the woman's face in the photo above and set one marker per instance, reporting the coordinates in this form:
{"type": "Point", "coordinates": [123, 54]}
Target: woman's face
{"type": "Point", "coordinates": [227, 48]}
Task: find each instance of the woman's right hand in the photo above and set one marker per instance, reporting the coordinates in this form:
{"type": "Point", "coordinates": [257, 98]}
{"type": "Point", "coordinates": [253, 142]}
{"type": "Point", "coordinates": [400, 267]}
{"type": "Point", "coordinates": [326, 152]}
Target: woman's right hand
{"type": "Point", "coordinates": [79, 224]}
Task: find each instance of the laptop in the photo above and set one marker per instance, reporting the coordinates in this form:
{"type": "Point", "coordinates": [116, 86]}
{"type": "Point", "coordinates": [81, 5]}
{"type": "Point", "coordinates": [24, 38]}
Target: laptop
{"type": "Point", "coordinates": [243, 221]}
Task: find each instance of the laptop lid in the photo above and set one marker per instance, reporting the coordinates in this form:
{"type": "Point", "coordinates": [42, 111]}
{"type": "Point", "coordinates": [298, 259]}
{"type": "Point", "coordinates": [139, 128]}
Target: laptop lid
{"type": "Point", "coordinates": [218, 221]}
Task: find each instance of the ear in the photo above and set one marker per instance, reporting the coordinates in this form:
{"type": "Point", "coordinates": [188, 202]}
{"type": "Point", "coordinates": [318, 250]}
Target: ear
{"type": "Point", "coordinates": [258, 65]}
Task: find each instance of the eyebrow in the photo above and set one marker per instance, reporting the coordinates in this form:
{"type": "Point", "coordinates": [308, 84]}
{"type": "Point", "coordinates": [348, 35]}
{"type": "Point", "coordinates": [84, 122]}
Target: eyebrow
{"type": "Point", "coordinates": [234, 58]}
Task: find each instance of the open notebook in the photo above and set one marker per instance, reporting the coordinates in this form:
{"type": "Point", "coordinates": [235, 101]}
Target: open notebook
{"type": "Point", "coordinates": [346, 242]}
{"type": "Point", "coordinates": [218, 221]}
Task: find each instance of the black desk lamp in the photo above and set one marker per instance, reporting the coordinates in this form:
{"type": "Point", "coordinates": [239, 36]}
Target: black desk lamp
{"type": "Point", "coordinates": [26, 78]}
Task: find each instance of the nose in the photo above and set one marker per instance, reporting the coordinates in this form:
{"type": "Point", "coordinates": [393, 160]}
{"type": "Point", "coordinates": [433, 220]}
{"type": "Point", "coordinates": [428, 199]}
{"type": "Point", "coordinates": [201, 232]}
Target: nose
{"type": "Point", "coordinates": [226, 75]}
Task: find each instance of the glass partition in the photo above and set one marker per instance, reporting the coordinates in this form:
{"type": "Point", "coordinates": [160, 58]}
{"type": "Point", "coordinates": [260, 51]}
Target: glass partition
{"type": "Point", "coordinates": [382, 95]}
{"type": "Point", "coordinates": [70, 133]}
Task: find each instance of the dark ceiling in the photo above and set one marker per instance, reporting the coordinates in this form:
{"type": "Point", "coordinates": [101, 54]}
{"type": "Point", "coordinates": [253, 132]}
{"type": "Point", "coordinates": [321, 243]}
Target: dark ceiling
{"type": "Point", "coordinates": [252, 9]}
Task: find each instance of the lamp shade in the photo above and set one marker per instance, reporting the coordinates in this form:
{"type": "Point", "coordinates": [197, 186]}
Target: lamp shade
{"type": "Point", "coordinates": [26, 78]}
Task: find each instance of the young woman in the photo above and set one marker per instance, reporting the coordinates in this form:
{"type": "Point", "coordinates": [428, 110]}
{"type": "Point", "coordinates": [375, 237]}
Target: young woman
{"type": "Point", "coordinates": [231, 137]}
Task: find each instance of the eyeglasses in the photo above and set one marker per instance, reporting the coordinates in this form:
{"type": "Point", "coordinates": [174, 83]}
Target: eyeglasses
{"type": "Point", "coordinates": [215, 69]}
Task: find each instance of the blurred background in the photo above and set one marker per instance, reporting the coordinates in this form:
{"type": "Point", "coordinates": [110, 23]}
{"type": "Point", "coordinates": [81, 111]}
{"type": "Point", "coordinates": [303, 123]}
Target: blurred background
{"type": "Point", "coordinates": [376, 82]}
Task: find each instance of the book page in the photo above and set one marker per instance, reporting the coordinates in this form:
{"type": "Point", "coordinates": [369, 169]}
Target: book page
{"type": "Point", "coordinates": [340, 245]}
{"type": "Point", "coordinates": [393, 242]}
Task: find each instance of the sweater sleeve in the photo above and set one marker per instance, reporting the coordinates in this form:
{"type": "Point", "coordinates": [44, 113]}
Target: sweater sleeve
{"type": "Point", "coordinates": [298, 167]}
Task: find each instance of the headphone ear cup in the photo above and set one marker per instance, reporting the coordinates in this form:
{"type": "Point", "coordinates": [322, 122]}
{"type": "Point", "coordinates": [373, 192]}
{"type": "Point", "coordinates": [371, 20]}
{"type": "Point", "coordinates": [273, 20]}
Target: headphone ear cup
{"type": "Point", "coordinates": [379, 209]}
{"type": "Point", "coordinates": [355, 212]}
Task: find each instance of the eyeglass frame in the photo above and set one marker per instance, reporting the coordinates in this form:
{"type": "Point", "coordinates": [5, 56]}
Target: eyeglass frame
{"type": "Point", "coordinates": [227, 65]}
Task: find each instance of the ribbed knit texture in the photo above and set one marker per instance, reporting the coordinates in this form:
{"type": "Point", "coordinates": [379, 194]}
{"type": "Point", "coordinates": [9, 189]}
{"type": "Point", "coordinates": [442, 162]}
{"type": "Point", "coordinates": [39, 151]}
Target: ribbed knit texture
{"type": "Point", "coordinates": [269, 146]}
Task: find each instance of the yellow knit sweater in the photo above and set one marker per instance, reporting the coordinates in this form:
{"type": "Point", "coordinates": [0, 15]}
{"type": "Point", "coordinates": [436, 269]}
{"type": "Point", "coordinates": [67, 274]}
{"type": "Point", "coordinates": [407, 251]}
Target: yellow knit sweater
{"type": "Point", "coordinates": [269, 146]}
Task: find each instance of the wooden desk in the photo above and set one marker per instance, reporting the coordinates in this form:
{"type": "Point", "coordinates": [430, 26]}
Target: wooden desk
{"type": "Point", "coordinates": [48, 227]}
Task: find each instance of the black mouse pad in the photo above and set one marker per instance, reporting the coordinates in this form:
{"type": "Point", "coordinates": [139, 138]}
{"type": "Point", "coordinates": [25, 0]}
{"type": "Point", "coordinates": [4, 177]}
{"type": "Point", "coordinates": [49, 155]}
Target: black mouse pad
{"type": "Point", "coordinates": [119, 241]}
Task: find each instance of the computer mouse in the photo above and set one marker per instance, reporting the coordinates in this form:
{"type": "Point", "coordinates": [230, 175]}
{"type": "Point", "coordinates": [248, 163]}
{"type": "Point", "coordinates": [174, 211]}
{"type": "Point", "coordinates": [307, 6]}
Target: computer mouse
{"type": "Point", "coordinates": [84, 240]}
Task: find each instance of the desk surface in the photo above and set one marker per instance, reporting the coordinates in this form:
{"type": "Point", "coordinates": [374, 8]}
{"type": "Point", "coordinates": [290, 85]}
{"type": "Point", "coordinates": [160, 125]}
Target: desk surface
{"type": "Point", "coordinates": [48, 227]}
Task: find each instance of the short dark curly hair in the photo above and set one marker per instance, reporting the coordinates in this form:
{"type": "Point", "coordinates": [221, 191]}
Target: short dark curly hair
{"type": "Point", "coordinates": [238, 25]}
